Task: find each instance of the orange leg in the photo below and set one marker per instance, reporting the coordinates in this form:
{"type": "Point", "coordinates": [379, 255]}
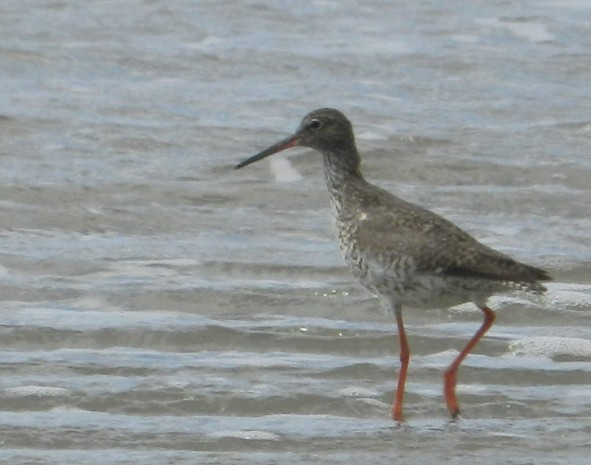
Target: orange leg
{"type": "Point", "coordinates": [404, 358]}
{"type": "Point", "coordinates": [450, 375]}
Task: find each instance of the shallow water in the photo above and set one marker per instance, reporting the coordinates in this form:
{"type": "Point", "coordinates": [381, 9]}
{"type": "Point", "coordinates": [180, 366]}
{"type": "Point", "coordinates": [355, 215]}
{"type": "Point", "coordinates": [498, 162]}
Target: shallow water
{"type": "Point", "coordinates": [159, 307]}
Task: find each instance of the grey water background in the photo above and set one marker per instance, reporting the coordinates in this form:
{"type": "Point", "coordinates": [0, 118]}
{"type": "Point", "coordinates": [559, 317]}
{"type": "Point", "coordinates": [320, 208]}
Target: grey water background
{"type": "Point", "coordinates": [158, 307]}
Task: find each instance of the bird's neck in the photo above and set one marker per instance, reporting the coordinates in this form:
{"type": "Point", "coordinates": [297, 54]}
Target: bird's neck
{"type": "Point", "coordinates": [343, 175]}
{"type": "Point", "coordinates": [341, 165]}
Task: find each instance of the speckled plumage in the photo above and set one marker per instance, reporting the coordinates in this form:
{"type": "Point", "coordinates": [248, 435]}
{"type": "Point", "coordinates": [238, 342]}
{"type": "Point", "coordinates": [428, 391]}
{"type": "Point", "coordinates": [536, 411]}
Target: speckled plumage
{"type": "Point", "coordinates": [413, 256]}
{"type": "Point", "coordinates": [403, 253]}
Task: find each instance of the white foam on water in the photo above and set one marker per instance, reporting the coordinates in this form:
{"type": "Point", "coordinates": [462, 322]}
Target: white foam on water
{"type": "Point", "coordinates": [550, 346]}
{"type": "Point", "coordinates": [284, 171]}
{"type": "Point", "coordinates": [356, 391]}
{"type": "Point", "coordinates": [248, 435]}
{"type": "Point", "coordinates": [534, 32]}
{"type": "Point", "coordinates": [34, 390]}
{"type": "Point", "coordinates": [573, 296]}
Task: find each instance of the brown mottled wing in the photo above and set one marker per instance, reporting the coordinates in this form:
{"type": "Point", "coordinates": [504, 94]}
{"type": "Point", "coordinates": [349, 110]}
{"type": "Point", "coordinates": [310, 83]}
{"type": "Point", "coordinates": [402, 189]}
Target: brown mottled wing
{"type": "Point", "coordinates": [436, 245]}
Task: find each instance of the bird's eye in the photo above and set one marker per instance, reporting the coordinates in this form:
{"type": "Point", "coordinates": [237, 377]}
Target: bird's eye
{"type": "Point", "coordinates": [315, 124]}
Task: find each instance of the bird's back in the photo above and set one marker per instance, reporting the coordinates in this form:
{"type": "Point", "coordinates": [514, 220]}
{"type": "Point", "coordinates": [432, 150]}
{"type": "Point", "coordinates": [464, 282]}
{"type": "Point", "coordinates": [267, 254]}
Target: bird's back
{"type": "Point", "coordinates": [392, 246]}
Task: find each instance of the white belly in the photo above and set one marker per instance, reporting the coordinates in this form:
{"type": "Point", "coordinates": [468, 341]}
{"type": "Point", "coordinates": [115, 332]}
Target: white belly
{"type": "Point", "coordinates": [398, 280]}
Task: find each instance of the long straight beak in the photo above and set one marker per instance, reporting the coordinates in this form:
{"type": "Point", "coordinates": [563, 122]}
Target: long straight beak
{"type": "Point", "coordinates": [286, 143]}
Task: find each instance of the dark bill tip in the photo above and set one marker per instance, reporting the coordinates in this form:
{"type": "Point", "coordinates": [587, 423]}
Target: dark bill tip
{"type": "Point", "coordinates": [291, 141]}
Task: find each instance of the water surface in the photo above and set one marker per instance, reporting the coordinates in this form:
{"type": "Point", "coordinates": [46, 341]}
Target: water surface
{"type": "Point", "coordinates": [159, 307]}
